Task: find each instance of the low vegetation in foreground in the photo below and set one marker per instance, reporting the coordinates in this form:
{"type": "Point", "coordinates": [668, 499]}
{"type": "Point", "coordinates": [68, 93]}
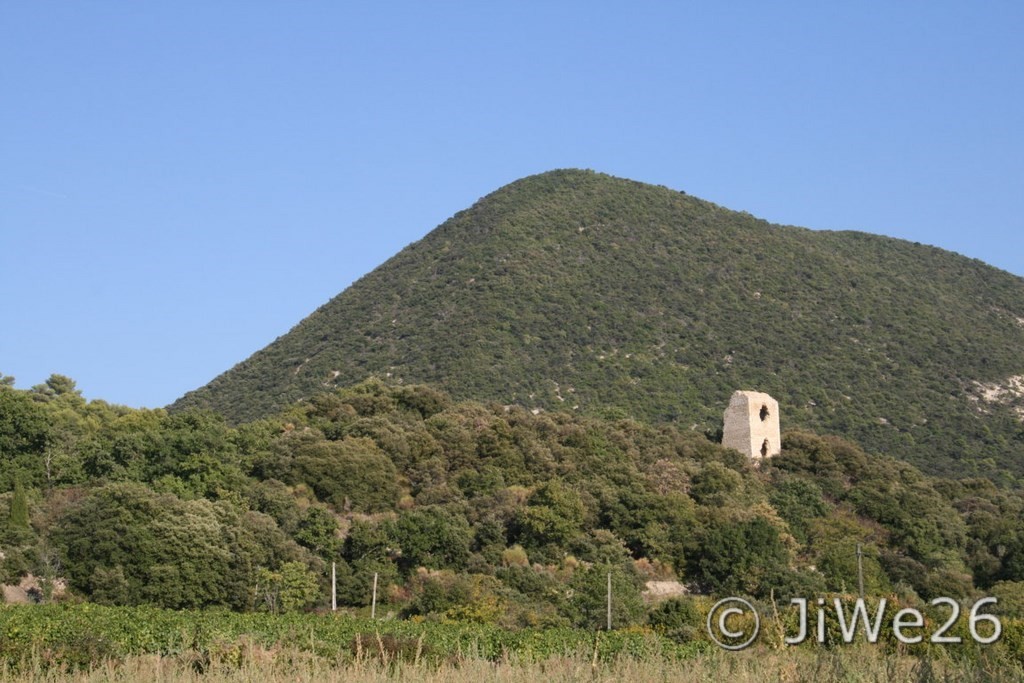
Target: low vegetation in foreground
{"type": "Point", "coordinates": [93, 643]}
{"type": "Point", "coordinates": [861, 666]}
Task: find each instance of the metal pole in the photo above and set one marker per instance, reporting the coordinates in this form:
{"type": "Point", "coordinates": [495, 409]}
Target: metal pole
{"type": "Point", "coordinates": [609, 601]}
{"type": "Point", "coordinates": [334, 586]}
{"type": "Point", "coordinates": [860, 570]}
{"type": "Point", "coordinates": [373, 604]}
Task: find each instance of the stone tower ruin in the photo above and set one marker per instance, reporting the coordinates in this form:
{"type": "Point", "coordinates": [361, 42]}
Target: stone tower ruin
{"type": "Point", "coordinates": [752, 425]}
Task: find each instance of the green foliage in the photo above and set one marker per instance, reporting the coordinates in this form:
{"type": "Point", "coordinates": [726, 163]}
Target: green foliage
{"type": "Point", "coordinates": [575, 289]}
{"type": "Point", "coordinates": [83, 636]}
{"type": "Point", "coordinates": [552, 517]}
{"type": "Point", "coordinates": [350, 474]}
{"type": "Point", "coordinates": [18, 519]}
{"type": "Point", "coordinates": [274, 498]}
{"type": "Point", "coordinates": [290, 588]}
{"type": "Point", "coordinates": [470, 512]}
{"type": "Point", "coordinates": [431, 537]}
{"type": "Point", "coordinates": [740, 557]}
{"type": "Point", "coordinates": [799, 502]}
{"type": "Point", "coordinates": [716, 485]}
{"type": "Point", "coordinates": [588, 606]}
{"type": "Point", "coordinates": [1011, 598]}
{"type": "Point", "coordinates": [835, 543]}
{"type": "Point", "coordinates": [89, 642]}
{"type": "Point", "coordinates": [318, 531]}
{"type": "Point", "coordinates": [925, 536]}
{"type": "Point", "coordinates": [368, 550]}
{"type": "Point", "coordinates": [464, 598]}
{"type": "Point", "coordinates": [58, 387]}
{"type": "Point", "coordinates": [125, 544]}
{"type": "Point", "coordinates": [678, 619]}
{"type": "Point", "coordinates": [23, 436]}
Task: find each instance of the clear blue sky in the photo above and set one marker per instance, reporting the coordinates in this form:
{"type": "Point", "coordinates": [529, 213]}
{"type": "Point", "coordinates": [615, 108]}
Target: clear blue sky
{"type": "Point", "coordinates": [182, 182]}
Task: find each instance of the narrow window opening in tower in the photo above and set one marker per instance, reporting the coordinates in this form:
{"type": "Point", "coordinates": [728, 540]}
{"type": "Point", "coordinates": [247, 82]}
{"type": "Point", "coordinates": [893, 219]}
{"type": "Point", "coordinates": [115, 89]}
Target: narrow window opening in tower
{"type": "Point", "coordinates": [764, 449]}
{"type": "Point", "coordinates": [764, 413]}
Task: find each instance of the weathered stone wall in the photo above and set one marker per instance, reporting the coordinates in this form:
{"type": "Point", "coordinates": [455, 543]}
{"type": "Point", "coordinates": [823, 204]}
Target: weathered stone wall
{"type": "Point", "coordinates": [752, 425]}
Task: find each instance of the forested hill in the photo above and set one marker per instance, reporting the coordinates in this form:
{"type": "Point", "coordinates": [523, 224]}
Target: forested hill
{"type": "Point", "coordinates": [574, 290]}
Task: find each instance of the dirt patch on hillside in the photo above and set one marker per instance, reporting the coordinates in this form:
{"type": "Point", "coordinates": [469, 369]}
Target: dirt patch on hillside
{"type": "Point", "coordinates": [1008, 392]}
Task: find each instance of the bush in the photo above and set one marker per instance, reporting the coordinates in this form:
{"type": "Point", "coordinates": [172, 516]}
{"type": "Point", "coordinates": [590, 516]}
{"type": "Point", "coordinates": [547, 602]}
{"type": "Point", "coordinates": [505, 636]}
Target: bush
{"type": "Point", "coordinates": [678, 619]}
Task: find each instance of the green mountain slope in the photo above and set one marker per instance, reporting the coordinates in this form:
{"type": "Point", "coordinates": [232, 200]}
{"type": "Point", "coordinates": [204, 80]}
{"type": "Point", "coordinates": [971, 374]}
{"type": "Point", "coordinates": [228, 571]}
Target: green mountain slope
{"type": "Point", "coordinates": [578, 291]}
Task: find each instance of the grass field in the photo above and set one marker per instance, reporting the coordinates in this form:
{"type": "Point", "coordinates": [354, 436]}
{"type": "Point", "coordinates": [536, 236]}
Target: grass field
{"type": "Point", "coordinates": [267, 666]}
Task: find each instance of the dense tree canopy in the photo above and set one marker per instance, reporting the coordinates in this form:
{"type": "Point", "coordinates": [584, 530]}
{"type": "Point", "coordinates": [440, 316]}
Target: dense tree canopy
{"type": "Point", "coordinates": [468, 511]}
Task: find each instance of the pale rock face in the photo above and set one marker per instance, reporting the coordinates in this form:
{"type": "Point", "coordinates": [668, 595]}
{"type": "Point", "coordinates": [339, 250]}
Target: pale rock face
{"type": "Point", "coordinates": [752, 425]}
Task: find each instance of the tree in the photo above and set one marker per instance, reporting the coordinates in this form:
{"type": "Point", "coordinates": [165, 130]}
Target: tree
{"type": "Point", "coordinates": [291, 588]}
{"type": "Point", "coordinates": [588, 606]}
{"type": "Point", "coordinates": [59, 386]}
{"type": "Point", "coordinates": [431, 537]}
{"type": "Point", "coordinates": [318, 531]}
{"type": "Point", "coordinates": [24, 430]}
{"type": "Point", "coordinates": [553, 516]}
{"type": "Point", "coordinates": [716, 485]}
{"type": "Point", "coordinates": [19, 508]}
{"type": "Point", "coordinates": [798, 501]}
{"type": "Point", "coordinates": [677, 618]}
{"type": "Point", "coordinates": [169, 552]}
{"type": "Point", "coordinates": [834, 540]}
{"type": "Point", "coordinates": [740, 557]}
{"type": "Point", "coordinates": [351, 473]}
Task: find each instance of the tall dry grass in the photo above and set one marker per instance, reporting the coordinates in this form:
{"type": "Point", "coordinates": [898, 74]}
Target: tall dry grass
{"type": "Point", "coordinates": [854, 665]}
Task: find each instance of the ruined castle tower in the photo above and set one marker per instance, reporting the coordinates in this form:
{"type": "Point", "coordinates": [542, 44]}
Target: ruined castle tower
{"type": "Point", "coordinates": [752, 425]}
